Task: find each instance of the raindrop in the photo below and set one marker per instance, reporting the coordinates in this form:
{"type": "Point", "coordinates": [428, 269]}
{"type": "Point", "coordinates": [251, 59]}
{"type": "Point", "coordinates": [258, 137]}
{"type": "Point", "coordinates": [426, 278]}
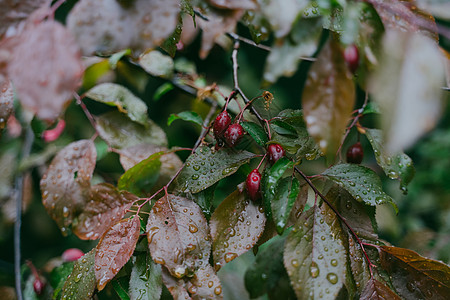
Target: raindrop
{"type": "Point", "coordinates": [392, 175]}
{"type": "Point", "coordinates": [151, 233]}
{"type": "Point", "coordinates": [193, 228]}
{"type": "Point", "coordinates": [210, 284]}
{"type": "Point", "coordinates": [196, 167]}
{"type": "Point", "coordinates": [332, 278]}
{"type": "Point", "coordinates": [334, 262]}
{"type": "Point", "coordinates": [230, 256]}
{"type": "Point", "coordinates": [190, 247]}
{"type": "Point", "coordinates": [295, 263]}
{"type": "Point", "coordinates": [195, 177]}
{"type": "Point", "coordinates": [314, 270]}
{"type": "Point", "coordinates": [218, 290]}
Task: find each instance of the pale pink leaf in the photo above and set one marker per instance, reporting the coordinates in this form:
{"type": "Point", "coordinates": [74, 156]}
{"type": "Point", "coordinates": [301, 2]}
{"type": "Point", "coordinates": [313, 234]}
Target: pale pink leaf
{"type": "Point", "coordinates": [235, 4]}
{"type": "Point", "coordinates": [13, 13]}
{"type": "Point", "coordinates": [175, 286]}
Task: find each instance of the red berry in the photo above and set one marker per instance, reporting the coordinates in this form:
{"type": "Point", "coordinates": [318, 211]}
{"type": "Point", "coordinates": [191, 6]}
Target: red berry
{"type": "Point", "coordinates": [38, 286]}
{"type": "Point", "coordinates": [253, 184]}
{"type": "Point", "coordinates": [72, 254]}
{"type": "Point", "coordinates": [223, 120]}
{"type": "Point", "coordinates": [355, 153]}
{"type": "Point", "coordinates": [351, 56]}
{"type": "Point", "coordinates": [233, 134]}
{"type": "Point", "coordinates": [275, 152]}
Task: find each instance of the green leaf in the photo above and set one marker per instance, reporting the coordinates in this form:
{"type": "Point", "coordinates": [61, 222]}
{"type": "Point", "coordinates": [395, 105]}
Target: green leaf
{"type": "Point", "coordinates": [120, 285]}
{"type": "Point", "coordinates": [361, 182]}
{"type": "Point", "coordinates": [28, 291]}
{"type": "Point", "coordinates": [283, 128]}
{"type": "Point", "coordinates": [94, 72]}
{"type": "Point", "coordinates": [157, 64]}
{"type": "Point", "coordinates": [236, 225]}
{"type": "Point", "coordinates": [204, 199]}
{"type": "Point", "coordinates": [371, 108]}
{"type": "Point", "coordinates": [270, 180]}
{"type": "Point", "coordinates": [178, 235]}
{"type": "Point", "coordinates": [162, 90]}
{"type": "Point", "coordinates": [397, 166]}
{"type": "Point", "coordinates": [206, 167]}
{"type": "Point", "coordinates": [286, 192]}
{"type": "Point", "coordinates": [256, 132]}
{"type": "Point", "coordinates": [81, 282]}
{"type": "Point", "coordinates": [140, 179]}
{"type": "Point", "coordinates": [114, 59]}
{"type": "Point", "coordinates": [300, 143]}
{"type": "Point", "coordinates": [119, 132]}
{"type": "Point", "coordinates": [119, 96]}
{"type": "Point", "coordinates": [58, 277]}
{"type": "Point", "coordinates": [414, 276]}
{"type": "Point", "coordinates": [189, 116]}
{"type": "Point", "coordinates": [377, 290]}
{"type": "Point", "coordinates": [170, 44]}
{"type": "Point", "coordinates": [314, 256]}
{"type": "Point", "coordinates": [145, 279]}
{"type": "Point", "coordinates": [328, 98]}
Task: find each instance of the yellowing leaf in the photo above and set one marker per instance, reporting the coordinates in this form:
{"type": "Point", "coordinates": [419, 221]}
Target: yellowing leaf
{"type": "Point", "coordinates": [178, 235]}
{"type": "Point", "coordinates": [106, 207]}
{"type": "Point", "coordinates": [115, 249]}
{"type": "Point", "coordinates": [407, 86]}
{"type": "Point", "coordinates": [328, 98]}
{"type": "Point", "coordinates": [65, 185]}
{"type": "Point", "coordinates": [236, 226]}
{"type": "Point", "coordinates": [52, 59]}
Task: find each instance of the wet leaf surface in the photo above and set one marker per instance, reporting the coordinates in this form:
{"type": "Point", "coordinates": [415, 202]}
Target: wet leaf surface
{"type": "Point", "coordinates": [236, 225]}
{"type": "Point", "coordinates": [119, 96]}
{"type": "Point", "coordinates": [81, 282]}
{"type": "Point", "coordinates": [234, 4]}
{"type": "Point", "coordinates": [65, 185]}
{"type": "Point", "coordinates": [157, 64]}
{"type": "Point", "coordinates": [286, 192]}
{"type": "Point", "coordinates": [44, 50]}
{"type": "Point", "coordinates": [205, 284]}
{"type": "Point", "coordinates": [407, 87]}
{"type": "Point", "coordinates": [256, 132]}
{"type": "Point", "coordinates": [282, 15]}
{"type": "Point", "coordinates": [178, 235]}
{"type": "Point", "coordinates": [328, 98]}
{"type": "Point", "coordinates": [6, 101]}
{"type": "Point", "coordinates": [115, 249]}
{"type": "Point", "coordinates": [175, 286]}
{"type": "Point", "coordinates": [358, 265]}
{"type": "Point", "coordinates": [131, 156]}
{"type": "Point", "coordinates": [106, 207]}
{"type": "Point", "coordinates": [415, 276]}
{"type": "Point", "coordinates": [145, 279]}
{"type": "Point", "coordinates": [205, 167]}
{"type": "Point", "coordinates": [314, 256]}
{"type": "Point", "coordinates": [361, 182]}
{"type": "Point", "coordinates": [119, 132]}
{"type": "Point", "coordinates": [189, 116]}
{"type": "Point", "coordinates": [377, 290]}
{"type": "Point", "coordinates": [397, 166]}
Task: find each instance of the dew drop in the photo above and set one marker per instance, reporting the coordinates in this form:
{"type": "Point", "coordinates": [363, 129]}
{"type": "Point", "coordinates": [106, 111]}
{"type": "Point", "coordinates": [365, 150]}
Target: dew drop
{"type": "Point", "coordinates": [332, 278]}
{"type": "Point", "coordinates": [190, 247]}
{"type": "Point", "coordinates": [210, 284]}
{"type": "Point", "coordinates": [160, 261]}
{"type": "Point", "coordinates": [194, 177]}
{"type": "Point", "coordinates": [196, 167]}
{"type": "Point", "coordinates": [230, 256]}
{"type": "Point", "coordinates": [218, 290]}
{"type": "Point", "coordinates": [295, 263]}
{"type": "Point", "coordinates": [334, 262]}
{"type": "Point", "coordinates": [151, 233]}
{"type": "Point", "coordinates": [193, 228]}
{"type": "Point", "coordinates": [314, 270]}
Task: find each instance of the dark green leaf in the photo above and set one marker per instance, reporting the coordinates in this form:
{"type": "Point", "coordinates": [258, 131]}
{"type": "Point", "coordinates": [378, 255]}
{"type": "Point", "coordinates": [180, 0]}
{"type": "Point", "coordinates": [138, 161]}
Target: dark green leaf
{"type": "Point", "coordinates": [371, 108]}
{"type": "Point", "coordinates": [205, 167]}
{"type": "Point", "coordinates": [190, 116]}
{"type": "Point", "coordinates": [58, 277]}
{"type": "Point", "coordinates": [377, 290]}
{"type": "Point", "coordinates": [157, 64]}
{"type": "Point", "coordinates": [256, 132]}
{"type": "Point", "coordinates": [361, 182]}
{"type": "Point", "coordinates": [204, 200]}
{"type": "Point", "coordinates": [286, 192]}
{"type": "Point", "coordinates": [162, 90]}
{"type": "Point", "coordinates": [170, 44]}
{"type": "Point", "coordinates": [270, 180]}
{"type": "Point", "coordinates": [120, 285]}
{"type": "Point", "coordinates": [397, 166]}
{"type": "Point", "coordinates": [119, 96]}
{"type": "Point", "coordinates": [283, 128]}
{"type": "Point", "coordinates": [140, 179]}
{"type": "Point", "coordinates": [145, 279]}
{"type": "Point", "coordinates": [236, 225]}
{"type": "Point", "coordinates": [314, 256]}
{"type": "Point", "coordinates": [119, 132]}
{"type": "Point", "coordinates": [81, 282]}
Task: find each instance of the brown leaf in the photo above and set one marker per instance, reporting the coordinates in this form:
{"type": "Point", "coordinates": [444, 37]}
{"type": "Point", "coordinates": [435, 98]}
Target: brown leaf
{"type": "Point", "coordinates": [106, 207]}
{"type": "Point", "coordinates": [328, 98]}
{"type": "Point", "coordinates": [406, 16]}
{"type": "Point", "coordinates": [236, 225]}
{"type": "Point", "coordinates": [376, 290]}
{"type": "Point", "coordinates": [205, 284]}
{"type": "Point", "coordinates": [235, 4]}
{"type": "Point", "coordinates": [414, 276]}
{"type": "Point", "coordinates": [54, 69]}
{"type": "Point", "coordinates": [115, 249]}
{"type": "Point", "coordinates": [109, 26]}
{"type": "Point", "coordinates": [178, 235]}
{"type": "Point", "coordinates": [175, 286]}
{"type": "Point", "coordinates": [66, 183]}
{"type": "Point", "coordinates": [14, 12]}
{"type": "Point", "coordinates": [6, 100]}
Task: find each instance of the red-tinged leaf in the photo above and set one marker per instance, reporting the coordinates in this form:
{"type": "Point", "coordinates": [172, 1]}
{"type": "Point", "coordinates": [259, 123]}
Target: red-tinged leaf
{"type": "Point", "coordinates": [219, 22]}
{"type": "Point", "coordinates": [14, 12]}
{"type": "Point", "coordinates": [376, 290]}
{"type": "Point", "coordinates": [65, 185]}
{"type": "Point", "coordinates": [108, 26]}
{"type": "Point", "coordinates": [81, 282]}
{"type": "Point", "coordinates": [54, 69]}
{"type": "Point", "coordinates": [328, 98]}
{"type": "Point", "coordinates": [106, 207]}
{"type": "Point", "coordinates": [205, 284]}
{"type": "Point", "coordinates": [405, 16]}
{"type": "Point", "coordinates": [314, 256]}
{"type": "Point", "coordinates": [234, 4]}
{"type": "Point", "coordinates": [175, 286]}
{"type": "Point", "coordinates": [6, 100]}
{"type": "Point", "coordinates": [236, 225]}
{"type": "Point", "coordinates": [178, 235]}
{"type": "Point", "coordinates": [115, 249]}
{"type": "Point", "coordinates": [414, 276]}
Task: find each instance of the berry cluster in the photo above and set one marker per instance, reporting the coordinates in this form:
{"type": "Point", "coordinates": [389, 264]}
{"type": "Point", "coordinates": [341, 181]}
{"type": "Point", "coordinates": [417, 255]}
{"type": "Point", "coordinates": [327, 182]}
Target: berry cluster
{"type": "Point", "coordinates": [226, 132]}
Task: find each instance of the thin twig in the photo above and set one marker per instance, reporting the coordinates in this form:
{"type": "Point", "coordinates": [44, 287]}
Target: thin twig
{"type": "Point", "coordinates": [85, 110]}
{"type": "Point", "coordinates": [26, 149]}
